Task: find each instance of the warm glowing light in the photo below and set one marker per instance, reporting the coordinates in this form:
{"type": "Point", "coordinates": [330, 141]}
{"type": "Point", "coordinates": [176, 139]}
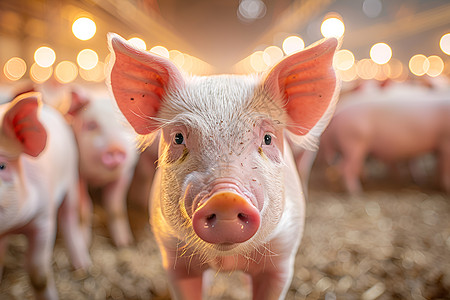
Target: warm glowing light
{"type": "Point", "coordinates": [87, 59]}
{"type": "Point", "coordinates": [436, 66]}
{"type": "Point", "coordinates": [160, 50]}
{"type": "Point", "coordinates": [366, 69]}
{"type": "Point", "coordinates": [44, 56]}
{"type": "Point", "coordinates": [349, 74]}
{"type": "Point", "coordinates": [66, 71]}
{"type": "Point", "coordinates": [394, 69]}
{"type": "Point", "coordinates": [40, 74]}
{"type": "Point", "coordinates": [272, 55]}
{"type": "Point", "coordinates": [332, 27]}
{"type": "Point", "coordinates": [419, 64]}
{"type": "Point", "coordinates": [380, 53]}
{"type": "Point", "coordinates": [138, 43]}
{"type": "Point", "coordinates": [96, 74]}
{"type": "Point", "coordinates": [84, 28]}
{"type": "Point", "coordinates": [343, 60]}
{"type": "Point", "coordinates": [188, 63]}
{"type": "Point", "coordinates": [176, 57]}
{"type": "Point", "coordinates": [250, 10]}
{"type": "Point", "coordinates": [14, 68]}
{"type": "Point", "coordinates": [293, 44]}
{"type": "Point", "coordinates": [257, 61]}
{"type": "Point", "coordinates": [444, 43]}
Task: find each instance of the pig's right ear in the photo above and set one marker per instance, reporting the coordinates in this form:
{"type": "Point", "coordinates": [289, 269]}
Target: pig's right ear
{"type": "Point", "coordinates": [139, 80]}
{"type": "Point", "coordinates": [78, 102]}
{"type": "Point", "coordinates": [21, 123]}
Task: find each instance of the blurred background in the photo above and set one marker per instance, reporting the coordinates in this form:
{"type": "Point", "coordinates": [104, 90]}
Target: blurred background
{"type": "Point", "coordinates": [389, 241]}
{"type": "Point", "coordinates": [67, 39]}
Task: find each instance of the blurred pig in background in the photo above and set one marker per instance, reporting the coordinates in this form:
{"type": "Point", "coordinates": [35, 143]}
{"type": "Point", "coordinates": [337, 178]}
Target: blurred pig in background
{"type": "Point", "coordinates": [394, 123]}
{"type": "Point", "coordinates": [226, 194]}
{"type": "Point", "coordinates": [39, 174]}
{"type": "Point", "coordinates": [108, 155]}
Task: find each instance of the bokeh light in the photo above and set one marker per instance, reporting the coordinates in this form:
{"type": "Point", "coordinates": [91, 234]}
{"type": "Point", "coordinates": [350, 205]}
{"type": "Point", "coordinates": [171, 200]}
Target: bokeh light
{"type": "Point", "coordinates": [40, 74]}
{"type": "Point", "coordinates": [250, 10]}
{"type": "Point", "coordinates": [44, 56]}
{"type": "Point", "coordinates": [84, 28]}
{"type": "Point", "coordinates": [138, 43]}
{"type": "Point", "coordinates": [366, 69]}
{"type": "Point", "coordinates": [272, 55]}
{"type": "Point", "coordinates": [348, 74]}
{"type": "Point", "coordinates": [87, 59]}
{"type": "Point", "coordinates": [419, 64]}
{"type": "Point", "coordinates": [394, 69]}
{"type": "Point", "coordinates": [436, 66]}
{"type": "Point", "coordinates": [257, 61]}
{"type": "Point", "coordinates": [444, 43]}
{"type": "Point", "coordinates": [343, 60]}
{"type": "Point", "coordinates": [96, 74]}
{"type": "Point", "coordinates": [66, 71]}
{"type": "Point", "coordinates": [293, 44]}
{"type": "Point", "coordinates": [380, 53]}
{"type": "Point", "coordinates": [14, 68]}
{"type": "Point", "coordinates": [160, 50]}
{"type": "Point", "coordinates": [372, 8]}
{"type": "Point", "coordinates": [332, 27]}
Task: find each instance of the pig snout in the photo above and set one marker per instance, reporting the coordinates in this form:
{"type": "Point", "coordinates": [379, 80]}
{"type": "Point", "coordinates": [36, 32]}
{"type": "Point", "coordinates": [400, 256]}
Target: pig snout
{"type": "Point", "coordinates": [113, 157]}
{"type": "Point", "coordinates": [226, 218]}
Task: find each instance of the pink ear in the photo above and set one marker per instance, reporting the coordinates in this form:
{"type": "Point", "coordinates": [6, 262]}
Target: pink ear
{"type": "Point", "coordinates": [78, 102]}
{"type": "Point", "coordinates": [139, 80]}
{"type": "Point", "coordinates": [21, 122]}
{"type": "Point", "coordinates": [306, 82]}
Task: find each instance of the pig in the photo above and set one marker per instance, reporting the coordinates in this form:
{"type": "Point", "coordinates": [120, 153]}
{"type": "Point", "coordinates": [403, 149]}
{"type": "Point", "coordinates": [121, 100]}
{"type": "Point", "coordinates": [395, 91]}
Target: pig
{"type": "Point", "coordinates": [108, 155]}
{"type": "Point", "coordinates": [38, 175]}
{"type": "Point", "coordinates": [393, 124]}
{"type": "Point", "coordinates": [226, 194]}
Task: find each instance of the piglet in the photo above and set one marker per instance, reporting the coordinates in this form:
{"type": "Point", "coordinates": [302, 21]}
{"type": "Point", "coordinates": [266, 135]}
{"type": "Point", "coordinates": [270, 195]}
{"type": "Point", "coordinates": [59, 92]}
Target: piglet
{"type": "Point", "coordinates": [226, 194]}
{"type": "Point", "coordinates": [38, 174]}
{"type": "Point", "coordinates": [108, 155]}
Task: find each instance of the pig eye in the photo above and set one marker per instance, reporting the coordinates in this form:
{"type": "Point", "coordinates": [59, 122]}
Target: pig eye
{"type": "Point", "coordinates": [91, 125]}
{"type": "Point", "coordinates": [178, 138]}
{"type": "Point", "coordinates": [2, 166]}
{"type": "Point", "coordinates": [267, 139]}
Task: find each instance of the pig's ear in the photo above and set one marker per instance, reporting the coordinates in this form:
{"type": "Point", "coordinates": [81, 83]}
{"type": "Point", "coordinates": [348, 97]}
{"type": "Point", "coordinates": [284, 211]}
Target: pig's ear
{"type": "Point", "coordinates": [139, 80]}
{"type": "Point", "coordinates": [77, 103]}
{"type": "Point", "coordinates": [21, 123]}
{"type": "Point", "coordinates": [306, 83]}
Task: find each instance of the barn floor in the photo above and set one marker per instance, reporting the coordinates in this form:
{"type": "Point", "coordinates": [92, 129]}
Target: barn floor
{"type": "Point", "coordinates": [391, 242]}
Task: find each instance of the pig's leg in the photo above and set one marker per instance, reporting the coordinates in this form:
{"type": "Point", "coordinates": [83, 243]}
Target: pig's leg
{"type": "Point", "coordinates": [354, 155]}
{"type": "Point", "coordinates": [86, 211]}
{"type": "Point", "coordinates": [72, 231]}
{"type": "Point", "coordinates": [41, 237]}
{"type": "Point", "coordinates": [3, 248]}
{"type": "Point", "coordinates": [114, 201]}
{"type": "Point", "coordinates": [185, 275]}
{"type": "Point", "coordinates": [272, 284]}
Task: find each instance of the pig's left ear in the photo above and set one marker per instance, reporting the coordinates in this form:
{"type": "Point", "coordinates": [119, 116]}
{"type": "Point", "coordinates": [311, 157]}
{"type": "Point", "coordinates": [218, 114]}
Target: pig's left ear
{"type": "Point", "coordinates": [21, 123]}
{"type": "Point", "coordinates": [306, 83]}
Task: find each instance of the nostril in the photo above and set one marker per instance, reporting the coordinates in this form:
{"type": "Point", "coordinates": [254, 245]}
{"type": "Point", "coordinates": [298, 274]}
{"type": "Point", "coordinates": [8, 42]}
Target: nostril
{"type": "Point", "coordinates": [211, 217]}
{"type": "Point", "coordinates": [243, 217]}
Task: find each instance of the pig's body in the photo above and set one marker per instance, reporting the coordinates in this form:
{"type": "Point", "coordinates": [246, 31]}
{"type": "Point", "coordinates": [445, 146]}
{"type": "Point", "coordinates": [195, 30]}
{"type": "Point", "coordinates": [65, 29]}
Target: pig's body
{"type": "Point", "coordinates": [226, 194]}
{"type": "Point", "coordinates": [31, 191]}
{"type": "Point", "coordinates": [108, 155]}
{"type": "Point", "coordinates": [392, 130]}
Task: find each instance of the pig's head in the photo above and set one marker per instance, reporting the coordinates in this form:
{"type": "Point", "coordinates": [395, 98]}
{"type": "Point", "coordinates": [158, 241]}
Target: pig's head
{"type": "Point", "coordinates": [21, 133]}
{"type": "Point", "coordinates": [222, 138]}
{"type": "Point", "coordinates": [105, 145]}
